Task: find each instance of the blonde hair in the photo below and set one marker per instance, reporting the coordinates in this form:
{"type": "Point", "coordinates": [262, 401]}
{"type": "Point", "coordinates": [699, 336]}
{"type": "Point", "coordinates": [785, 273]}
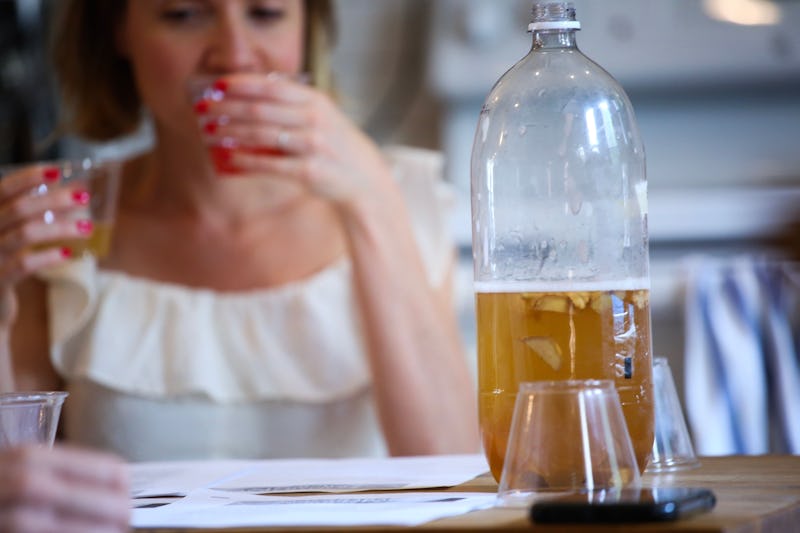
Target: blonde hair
{"type": "Point", "coordinates": [98, 92]}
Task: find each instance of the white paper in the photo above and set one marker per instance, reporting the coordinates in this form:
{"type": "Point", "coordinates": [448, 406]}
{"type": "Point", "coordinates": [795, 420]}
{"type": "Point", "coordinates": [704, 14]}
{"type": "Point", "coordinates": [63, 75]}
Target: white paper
{"type": "Point", "coordinates": [207, 508]}
{"type": "Point", "coordinates": [177, 478]}
{"type": "Point", "coordinates": [351, 475]}
{"type": "Point", "coordinates": [233, 493]}
{"type": "Point", "coordinates": [305, 475]}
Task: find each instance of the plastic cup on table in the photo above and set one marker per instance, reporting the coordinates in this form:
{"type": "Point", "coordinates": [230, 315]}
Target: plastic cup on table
{"type": "Point", "coordinates": [672, 446]}
{"type": "Point", "coordinates": [566, 437]}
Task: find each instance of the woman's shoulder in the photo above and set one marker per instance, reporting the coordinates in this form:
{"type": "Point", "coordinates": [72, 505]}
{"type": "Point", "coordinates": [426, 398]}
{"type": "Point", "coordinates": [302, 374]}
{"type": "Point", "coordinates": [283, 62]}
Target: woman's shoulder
{"type": "Point", "coordinates": [414, 162]}
{"type": "Point", "coordinates": [430, 202]}
{"type": "Point", "coordinates": [420, 174]}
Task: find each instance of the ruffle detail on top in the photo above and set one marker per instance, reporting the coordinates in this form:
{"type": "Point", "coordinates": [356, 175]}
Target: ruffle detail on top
{"type": "Point", "coordinates": [430, 202]}
{"type": "Point", "coordinates": [299, 342]}
{"type": "Point", "coordinates": [159, 340]}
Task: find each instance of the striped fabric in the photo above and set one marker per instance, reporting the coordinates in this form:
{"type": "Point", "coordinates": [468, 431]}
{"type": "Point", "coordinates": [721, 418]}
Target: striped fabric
{"type": "Point", "coordinates": [742, 360]}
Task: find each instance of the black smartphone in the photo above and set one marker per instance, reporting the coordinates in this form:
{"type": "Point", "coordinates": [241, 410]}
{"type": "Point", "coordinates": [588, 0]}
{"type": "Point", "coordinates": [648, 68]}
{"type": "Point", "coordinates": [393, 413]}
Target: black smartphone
{"type": "Point", "coordinates": [625, 505]}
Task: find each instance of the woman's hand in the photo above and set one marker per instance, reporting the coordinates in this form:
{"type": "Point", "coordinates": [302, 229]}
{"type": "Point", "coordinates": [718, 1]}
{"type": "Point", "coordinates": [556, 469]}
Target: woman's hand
{"type": "Point", "coordinates": [64, 490]}
{"type": "Point", "coordinates": [303, 137]}
{"type": "Point", "coordinates": [35, 215]}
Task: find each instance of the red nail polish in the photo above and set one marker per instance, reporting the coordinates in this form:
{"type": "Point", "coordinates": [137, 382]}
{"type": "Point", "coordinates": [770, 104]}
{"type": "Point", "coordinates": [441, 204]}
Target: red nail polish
{"type": "Point", "coordinates": [84, 227]}
{"type": "Point", "coordinates": [210, 127]}
{"type": "Point", "coordinates": [66, 253]}
{"type": "Point", "coordinates": [221, 85]}
{"type": "Point", "coordinates": [51, 174]}
{"type": "Point", "coordinates": [81, 197]}
{"type": "Point", "coordinates": [201, 107]}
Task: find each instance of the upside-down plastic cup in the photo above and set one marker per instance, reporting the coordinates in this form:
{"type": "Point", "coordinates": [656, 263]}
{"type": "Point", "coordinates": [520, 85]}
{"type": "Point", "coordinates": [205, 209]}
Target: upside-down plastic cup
{"type": "Point", "coordinates": [566, 436]}
{"type": "Point", "coordinates": [672, 446]}
{"type": "Point", "coordinates": [29, 418]}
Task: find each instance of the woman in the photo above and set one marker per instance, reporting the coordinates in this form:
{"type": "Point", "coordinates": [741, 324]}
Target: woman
{"type": "Point", "coordinates": [281, 310]}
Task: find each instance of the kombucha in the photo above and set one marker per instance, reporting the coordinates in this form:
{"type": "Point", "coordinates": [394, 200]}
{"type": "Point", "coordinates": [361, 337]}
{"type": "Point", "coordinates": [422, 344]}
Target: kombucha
{"type": "Point", "coordinates": [98, 243]}
{"type": "Point", "coordinates": [529, 334]}
{"type": "Point", "coordinates": [221, 156]}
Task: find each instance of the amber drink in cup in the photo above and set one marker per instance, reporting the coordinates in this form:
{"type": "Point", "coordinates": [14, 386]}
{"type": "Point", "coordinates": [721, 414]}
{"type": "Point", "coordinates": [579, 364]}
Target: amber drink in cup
{"type": "Point", "coordinates": [221, 152]}
{"type": "Point", "coordinates": [102, 182]}
{"type": "Point", "coordinates": [205, 90]}
{"type": "Point", "coordinates": [95, 187]}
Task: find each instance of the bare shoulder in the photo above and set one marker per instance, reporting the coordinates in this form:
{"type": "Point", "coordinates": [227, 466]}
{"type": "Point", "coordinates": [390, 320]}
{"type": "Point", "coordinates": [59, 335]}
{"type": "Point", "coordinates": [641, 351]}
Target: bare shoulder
{"type": "Point", "coordinates": [414, 163]}
{"type": "Point", "coordinates": [30, 345]}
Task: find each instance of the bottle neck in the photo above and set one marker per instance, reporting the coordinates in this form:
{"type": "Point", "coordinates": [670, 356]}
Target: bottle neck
{"type": "Point", "coordinates": [554, 39]}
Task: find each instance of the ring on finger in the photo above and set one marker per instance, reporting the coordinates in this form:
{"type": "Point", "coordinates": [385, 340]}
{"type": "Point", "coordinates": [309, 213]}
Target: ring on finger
{"type": "Point", "coordinates": [283, 139]}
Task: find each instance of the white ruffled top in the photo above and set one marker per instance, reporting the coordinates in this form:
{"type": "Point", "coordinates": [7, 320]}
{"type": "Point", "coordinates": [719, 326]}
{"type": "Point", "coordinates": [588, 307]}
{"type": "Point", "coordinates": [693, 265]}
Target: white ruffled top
{"type": "Point", "coordinates": [161, 371]}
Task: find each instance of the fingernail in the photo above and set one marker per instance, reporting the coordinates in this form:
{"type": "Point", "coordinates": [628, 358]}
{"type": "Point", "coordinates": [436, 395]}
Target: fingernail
{"type": "Point", "coordinates": [66, 253]}
{"type": "Point", "coordinates": [84, 227]}
{"type": "Point", "coordinates": [51, 174]}
{"type": "Point", "coordinates": [201, 107]}
{"type": "Point", "coordinates": [221, 85]}
{"type": "Point", "coordinates": [210, 127]}
{"type": "Point", "coordinates": [81, 197]}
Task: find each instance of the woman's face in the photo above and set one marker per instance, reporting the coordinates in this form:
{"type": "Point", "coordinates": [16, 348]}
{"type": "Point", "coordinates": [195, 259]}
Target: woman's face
{"type": "Point", "coordinates": [169, 42]}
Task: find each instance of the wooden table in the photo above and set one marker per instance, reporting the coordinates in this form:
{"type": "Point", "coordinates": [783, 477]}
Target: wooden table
{"type": "Point", "coordinates": [754, 494]}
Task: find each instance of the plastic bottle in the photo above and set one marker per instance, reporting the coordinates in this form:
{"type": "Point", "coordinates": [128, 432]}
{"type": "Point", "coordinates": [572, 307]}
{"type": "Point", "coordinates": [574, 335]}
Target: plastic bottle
{"type": "Point", "coordinates": [559, 225]}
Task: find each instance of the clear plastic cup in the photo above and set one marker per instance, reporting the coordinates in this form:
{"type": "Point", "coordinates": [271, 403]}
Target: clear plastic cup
{"type": "Point", "coordinates": [101, 180]}
{"type": "Point", "coordinates": [203, 91]}
{"type": "Point", "coordinates": [566, 436]}
{"type": "Point", "coordinates": [672, 446]}
{"type": "Point", "coordinates": [29, 418]}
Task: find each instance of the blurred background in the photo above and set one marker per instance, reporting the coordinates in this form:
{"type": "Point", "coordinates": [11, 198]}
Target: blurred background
{"type": "Point", "coordinates": [716, 89]}
{"type": "Point", "coordinates": [715, 85]}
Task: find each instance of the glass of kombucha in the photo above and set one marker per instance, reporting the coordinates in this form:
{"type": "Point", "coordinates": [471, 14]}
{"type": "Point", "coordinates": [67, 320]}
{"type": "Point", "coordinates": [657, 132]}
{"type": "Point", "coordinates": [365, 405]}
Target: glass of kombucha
{"type": "Point", "coordinates": [95, 184]}
{"type": "Point", "coordinates": [102, 181]}
{"type": "Point", "coordinates": [204, 90]}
